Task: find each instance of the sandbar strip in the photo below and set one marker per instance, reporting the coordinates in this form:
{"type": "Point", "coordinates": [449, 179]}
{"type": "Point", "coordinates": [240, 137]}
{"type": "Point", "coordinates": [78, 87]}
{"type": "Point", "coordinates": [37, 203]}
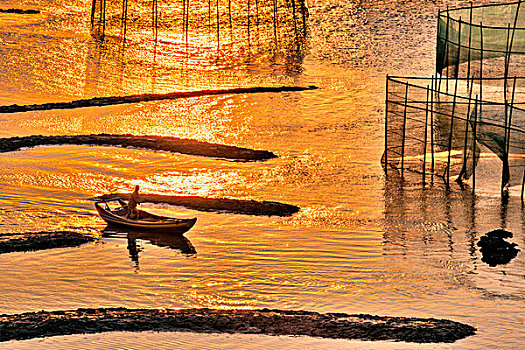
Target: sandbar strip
{"type": "Point", "coordinates": [265, 321]}
{"type": "Point", "coordinates": [236, 206]}
{"type": "Point", "coordinates": [116, 100]}
{"type": "Point", "coordinates": [155, 143]}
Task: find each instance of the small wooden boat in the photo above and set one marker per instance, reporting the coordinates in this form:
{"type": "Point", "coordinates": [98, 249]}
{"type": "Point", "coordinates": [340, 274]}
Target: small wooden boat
{"type": "Point", "coordinates": [146, 221]}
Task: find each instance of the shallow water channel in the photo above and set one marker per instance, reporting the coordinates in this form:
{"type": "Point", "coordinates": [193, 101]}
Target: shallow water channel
{"type": "Point", "coordinates": [360, 244]}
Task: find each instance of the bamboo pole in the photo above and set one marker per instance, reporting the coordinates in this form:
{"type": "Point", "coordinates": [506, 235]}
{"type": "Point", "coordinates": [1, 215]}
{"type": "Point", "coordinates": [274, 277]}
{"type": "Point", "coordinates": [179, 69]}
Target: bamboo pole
{"type": "Point", "coordinates": [293, 14]}
{"type": "Point", "coordinates": [230, 16]}
{"type": "Point", "coordinates": [456, 67]}
{"type": "Point", "coordinates": [187, 20]}
{"type": "Point", "coordinates": [303, 11]}
{"type": "Point", "coordinates": [505, 166]}
{"type": "Point", "coordinates": [433, 85]}
{"type": "Point", "coordinates": [154, 20]}
{"type": "Point", "coordinates": [275, 21]}
{"type": "Point", "coordinates": [209, 16]}
{"type": "Point", "coordinates": [386, 126]}
{"type": "Point", "coordinates": [248, 23]}
{"type": "Point", "coordinates": [474, 135]}
{"type": "Point", "coordinates": [104, 20]}
{"type": "Point", "coordinates": [469, 47]}
{"type": "Point", "coordinates": [481, 67]}
{"type": "Point", "coordinates": [465, 146]}
{"type": "Point", "coordinates": [218, 26]}
{"type": "Point", "coordinates": [447, 47]}
{"type": "Point", "coordinates": [124, 19]}
{"type": "Point", "coordinates": [451, 132]}
{"type": "Point", "coordinates": [404, 133]}
{"type": "Point", "coordinates": [425, 137]}
{"type": "Point", "coordinates": [183, 18]}
{"type": "Point", "coordinates": [511, 109]}
{"type": "Point", "coordinates": [522, 185]}
{"type": "Point", "coordinates": [93, 9]}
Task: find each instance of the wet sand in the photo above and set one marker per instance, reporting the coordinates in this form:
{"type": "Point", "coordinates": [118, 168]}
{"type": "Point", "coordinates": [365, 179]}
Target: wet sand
{"type": "Point", "coordinates": [236, 206]}
{"type": "Point", "coordinates": [116, 100]}
{"type": "Point", "coordinates": [156, 143]}
{"type": "Point", "coordinates": [265, 321]}
{"type": "Point", "coordinates": [30, 241]}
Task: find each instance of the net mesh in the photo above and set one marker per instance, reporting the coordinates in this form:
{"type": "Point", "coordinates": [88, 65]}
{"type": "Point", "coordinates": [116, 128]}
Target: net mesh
{"type": "Point", "coordinates": [476, 103]}
{"type": "Point", "coordinates": [479, 36]}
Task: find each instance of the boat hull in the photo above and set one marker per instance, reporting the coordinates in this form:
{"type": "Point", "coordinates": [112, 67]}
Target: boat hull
{"type": "Point", "coordinates": [146, 221]}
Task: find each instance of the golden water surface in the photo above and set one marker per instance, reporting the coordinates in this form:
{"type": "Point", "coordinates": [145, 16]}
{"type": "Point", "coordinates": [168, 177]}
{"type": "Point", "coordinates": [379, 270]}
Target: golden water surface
{"type": "Point", "coordinates": [359, 244]}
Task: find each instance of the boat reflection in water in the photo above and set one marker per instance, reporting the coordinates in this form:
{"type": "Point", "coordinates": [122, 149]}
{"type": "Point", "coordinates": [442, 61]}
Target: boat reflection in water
{"type": "Point", "coordinates": [158, 238]}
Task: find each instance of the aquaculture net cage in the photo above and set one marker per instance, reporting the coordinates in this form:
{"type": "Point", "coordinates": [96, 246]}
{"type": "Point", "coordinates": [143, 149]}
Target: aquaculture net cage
{"type": "Point", "coordinates": [436, 131]}
{"type": "Point", "coordinates": [493, 36]}
{"type": "Point", "coordinates": [475, 104]}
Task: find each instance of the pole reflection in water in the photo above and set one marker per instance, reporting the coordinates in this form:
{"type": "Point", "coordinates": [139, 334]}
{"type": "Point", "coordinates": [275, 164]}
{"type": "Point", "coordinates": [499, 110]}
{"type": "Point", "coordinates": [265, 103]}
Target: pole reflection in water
{"type": "Point", "coordinates": [446, 225]}
{"type": "Point", "coordinates": [161, 239]}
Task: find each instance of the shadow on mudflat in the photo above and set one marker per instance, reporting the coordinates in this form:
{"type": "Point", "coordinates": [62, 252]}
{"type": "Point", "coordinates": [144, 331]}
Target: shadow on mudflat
{"type": "Point", "coordinates": [269, 322]}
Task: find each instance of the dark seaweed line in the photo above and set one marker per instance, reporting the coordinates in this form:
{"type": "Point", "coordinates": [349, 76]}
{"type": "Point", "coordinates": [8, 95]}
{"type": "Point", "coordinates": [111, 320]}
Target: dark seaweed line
{"type": "Point", "coordinates": [20, 11]}
{"type": "Point", "coordinates": [24, 242]}
{"type": "Point", "coordinates": [157, 143]}
{"type": "Point", "coordinates": [115, 100]}
{"type": "Point", "coordinates": [236, 206]}
{"type": "Point", "coordinates": [270, 322]}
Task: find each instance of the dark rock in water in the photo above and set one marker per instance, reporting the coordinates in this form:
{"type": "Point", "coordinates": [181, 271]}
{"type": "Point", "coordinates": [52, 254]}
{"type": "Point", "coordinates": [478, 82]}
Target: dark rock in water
{"type": "Point", "coordinates": [495, 249]}
{"type": "Point", "coordinates": [499, 233]}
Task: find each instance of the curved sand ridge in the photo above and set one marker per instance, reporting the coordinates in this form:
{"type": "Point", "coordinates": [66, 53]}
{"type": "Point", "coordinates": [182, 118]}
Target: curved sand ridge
{"type": "Point", "coordinates": [265, 321]}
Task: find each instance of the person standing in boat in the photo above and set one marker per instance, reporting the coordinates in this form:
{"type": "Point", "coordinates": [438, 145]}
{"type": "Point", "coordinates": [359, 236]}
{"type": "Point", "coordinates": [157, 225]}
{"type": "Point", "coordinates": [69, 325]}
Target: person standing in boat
{"type": "Point", "coordinates": [132, 204]}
